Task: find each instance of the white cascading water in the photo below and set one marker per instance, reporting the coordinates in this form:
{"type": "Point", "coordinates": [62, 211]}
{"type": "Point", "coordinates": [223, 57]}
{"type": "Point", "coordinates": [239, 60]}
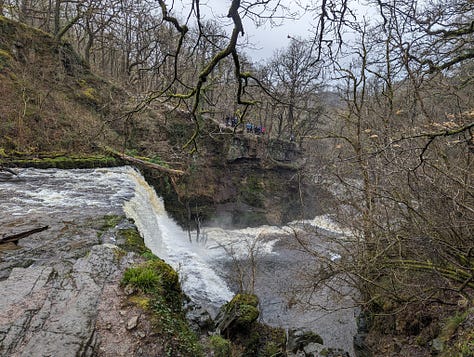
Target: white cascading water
{"type": "Point", "coordinates": [169, 242]}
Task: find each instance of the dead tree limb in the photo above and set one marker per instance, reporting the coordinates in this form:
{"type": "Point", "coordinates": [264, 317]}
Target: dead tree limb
{"type": "Point", "coordinates": [144, 163]}
{"type": "Point", "coordinates": [16, 237]}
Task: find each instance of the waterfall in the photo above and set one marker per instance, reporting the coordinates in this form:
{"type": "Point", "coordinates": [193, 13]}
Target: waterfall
{"type": "Point", "coordinates": [168, 241]}
{"type": "Point", "coordinates": [63, 197]}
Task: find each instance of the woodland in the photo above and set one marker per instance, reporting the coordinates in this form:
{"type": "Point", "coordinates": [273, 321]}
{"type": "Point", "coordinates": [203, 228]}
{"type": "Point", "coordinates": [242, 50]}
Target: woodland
{"type": "Point", "coordinates": [382, 106]}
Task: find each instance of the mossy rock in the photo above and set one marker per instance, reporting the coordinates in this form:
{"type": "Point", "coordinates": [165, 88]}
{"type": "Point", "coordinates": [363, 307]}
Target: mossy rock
{"type": "Point", "coordinates": [170, 276]}
{"type": "Point", "coordinates": [266, 341]}
{"type": "Point", "coordinates": [220, 346]}
{"type": "Point", "coordinates": [244, 299]}
{"type": "Point", "coordinates": [239, 314]}
{"type": "Point", "coordinates": [299, 338]}
{"type": "Point", "coordinates": [159, 294]}
{"type": "Point", "coordinates": [132, 241]}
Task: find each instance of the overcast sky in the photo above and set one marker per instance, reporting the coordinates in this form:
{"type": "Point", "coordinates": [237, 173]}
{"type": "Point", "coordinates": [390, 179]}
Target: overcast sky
{"type": "Point", "coordinates": [266, 39]}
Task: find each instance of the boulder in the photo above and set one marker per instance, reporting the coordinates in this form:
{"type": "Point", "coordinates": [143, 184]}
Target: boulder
{"type": "Point", "coordinates": [299, 339]}
{"type": "Point", "coordinates": [238, 314]}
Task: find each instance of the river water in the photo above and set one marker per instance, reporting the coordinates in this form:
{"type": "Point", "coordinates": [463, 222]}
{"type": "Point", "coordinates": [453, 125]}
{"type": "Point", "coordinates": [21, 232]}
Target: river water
{"type": "Point", "coordinates": [213, 267]}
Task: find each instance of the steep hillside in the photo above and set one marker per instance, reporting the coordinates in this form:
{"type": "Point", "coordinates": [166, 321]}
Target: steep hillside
{"type": "Point", "coordinates": [50, 101]}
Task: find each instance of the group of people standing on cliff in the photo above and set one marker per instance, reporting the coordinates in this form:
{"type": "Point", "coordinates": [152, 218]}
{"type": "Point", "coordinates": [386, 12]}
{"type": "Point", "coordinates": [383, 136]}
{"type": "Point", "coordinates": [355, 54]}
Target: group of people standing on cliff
{"type": "Point", "coordinates": [256, 129]}
{"type": "Point", "coordinates": [250, 127]}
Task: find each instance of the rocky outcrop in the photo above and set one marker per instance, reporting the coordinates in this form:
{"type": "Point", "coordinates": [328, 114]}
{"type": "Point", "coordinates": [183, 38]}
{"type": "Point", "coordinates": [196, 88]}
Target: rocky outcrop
{"type": "Point", "coordinates": [259, 148]}
{"type": "Point", "coordinates": [45, 311]}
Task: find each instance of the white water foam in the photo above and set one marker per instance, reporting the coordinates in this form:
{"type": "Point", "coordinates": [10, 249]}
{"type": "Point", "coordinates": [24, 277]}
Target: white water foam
{"type": "Point", "coordinates": [324, 222]}
{"type": "Point", "coordinates": [238, 243]}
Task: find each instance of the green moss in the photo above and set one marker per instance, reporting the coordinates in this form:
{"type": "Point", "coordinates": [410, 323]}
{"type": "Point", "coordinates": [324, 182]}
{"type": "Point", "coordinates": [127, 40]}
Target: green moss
{"type": "Point", "coordinates": [90, 93]}
{"type": "Point", "coordinates": [133, 241]}
{"type": "Point", "coordinates": [245, 299]}
{"type": "Point", "coordinates": [148, 255]}
{"type": "Point", "coordinates": [220, 346]}
{"type": "Point", "coordinates": [5, 59]}
{"type": "Point", "coordinates": [245, 307]}
{"type": "Point", "coordinates": [142, 301]}
{"type": "Point", "coordinates": [144, 278]}
{"type": "Point", "coordinates": [110, 221]}
{"type": "Point", "coordinates": [64, 162]}
{"type": "Point", "coordinates": [179, 338]}
{"type": "Point", "coordinates": [170, 278]}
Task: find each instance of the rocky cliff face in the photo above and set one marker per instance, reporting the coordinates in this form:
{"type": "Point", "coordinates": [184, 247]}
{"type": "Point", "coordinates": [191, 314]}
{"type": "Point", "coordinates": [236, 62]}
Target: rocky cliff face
{"type": "Point", "coordinates": [243, 180]}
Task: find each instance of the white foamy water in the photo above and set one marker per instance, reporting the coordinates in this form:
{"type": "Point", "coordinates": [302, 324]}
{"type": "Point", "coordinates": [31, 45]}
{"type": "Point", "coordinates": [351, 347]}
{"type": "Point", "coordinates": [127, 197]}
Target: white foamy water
{"type": "Point", "coordinates": [324, 222]}
{"type": "Point", "coordinates": [36, 191]}
{"type": "Point", "coordinates": [169, 242]}
{"type": "Point", "coordinates": [220, 243]}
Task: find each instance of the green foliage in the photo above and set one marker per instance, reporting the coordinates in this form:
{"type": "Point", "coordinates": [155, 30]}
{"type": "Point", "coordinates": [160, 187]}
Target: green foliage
{"type": "Point", "coordinates": [144, 278]}
{"type": "Point", "coordinates": [220, 346]}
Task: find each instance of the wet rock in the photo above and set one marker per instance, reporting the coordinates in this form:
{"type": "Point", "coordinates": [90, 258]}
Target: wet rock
{"type": "Point", "coordinates": [301, 339]}
{"type": "Point", "coordinates": [199, 318]}
{"type": "Point", "coordinates": [45, 312]}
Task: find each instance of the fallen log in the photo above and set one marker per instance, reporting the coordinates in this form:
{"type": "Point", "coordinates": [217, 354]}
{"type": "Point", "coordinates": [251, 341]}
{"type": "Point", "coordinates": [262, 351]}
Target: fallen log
{"type": "Point", "coordinates": [16, 237]}
{"type": "Point", "coordinates": [147, 164]}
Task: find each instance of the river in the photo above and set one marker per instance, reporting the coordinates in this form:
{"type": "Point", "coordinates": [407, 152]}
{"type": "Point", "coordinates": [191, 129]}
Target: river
{"type": "Point", "coordinates": [264, 259]}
